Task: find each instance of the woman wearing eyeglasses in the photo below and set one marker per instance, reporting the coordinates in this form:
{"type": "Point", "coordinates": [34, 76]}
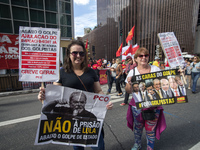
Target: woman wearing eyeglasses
{"type": "Point", "coordinates": [76, 66]}
{"type": "Point", "coordinates": [134, 118]}
{"type": "Point", "coordinates": [195, 65]}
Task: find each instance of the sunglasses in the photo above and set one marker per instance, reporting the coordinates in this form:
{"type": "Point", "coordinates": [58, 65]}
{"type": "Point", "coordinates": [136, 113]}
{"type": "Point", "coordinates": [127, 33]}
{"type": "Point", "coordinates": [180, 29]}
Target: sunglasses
{"type": "Point", "coordinates": [75, 53]}
{"type": "Point", "coordinates": [141, 56]}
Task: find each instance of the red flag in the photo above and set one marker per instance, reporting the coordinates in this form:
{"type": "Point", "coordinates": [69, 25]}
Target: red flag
{"type": "Point", "coordinates": [134, 49]}
{"type": "Point", "coordinates": [119, 51]}
{"type": "Point", "coordinates": [130, 35]}
{"type": "Point", "coordinates": [129, 50]}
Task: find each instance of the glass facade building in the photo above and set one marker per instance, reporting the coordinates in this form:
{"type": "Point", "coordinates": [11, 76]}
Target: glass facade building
{"type": "Point", "coordinates": [149, 17]}
{"type": "Point", "coordinates": [37, 13]}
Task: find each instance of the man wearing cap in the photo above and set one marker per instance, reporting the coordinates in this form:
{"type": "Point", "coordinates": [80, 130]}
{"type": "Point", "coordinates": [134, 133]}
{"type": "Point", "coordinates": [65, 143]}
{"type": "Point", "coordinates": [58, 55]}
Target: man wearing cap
{"type": "Point", "coordinates": [131, 65]}
{"type": "Point", "coordinates": [156, 62]}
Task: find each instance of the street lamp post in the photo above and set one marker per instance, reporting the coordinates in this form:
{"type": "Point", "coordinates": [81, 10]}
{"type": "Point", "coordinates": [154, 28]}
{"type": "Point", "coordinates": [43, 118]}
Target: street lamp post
{"type": "Point", "coordinates": [105, 51]}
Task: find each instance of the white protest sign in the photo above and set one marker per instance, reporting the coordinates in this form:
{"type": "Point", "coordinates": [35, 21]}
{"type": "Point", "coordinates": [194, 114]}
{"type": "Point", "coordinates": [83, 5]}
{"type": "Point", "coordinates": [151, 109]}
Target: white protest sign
{"type": "Point", "coordinates": [171, 49]}
{"type": "Point", "coordinates": [71, 117]}
{"type": "Point", "coordinates": [39, 54]}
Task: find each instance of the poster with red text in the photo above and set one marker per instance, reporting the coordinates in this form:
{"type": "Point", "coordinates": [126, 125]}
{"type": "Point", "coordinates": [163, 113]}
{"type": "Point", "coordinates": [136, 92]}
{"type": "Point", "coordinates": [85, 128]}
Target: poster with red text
{"type": "Point", "coordinates": [171, 49]}
{"type": "Point", "coordinates": [9, 51]}
{"type": "Point", "coordinates": [39, 54]}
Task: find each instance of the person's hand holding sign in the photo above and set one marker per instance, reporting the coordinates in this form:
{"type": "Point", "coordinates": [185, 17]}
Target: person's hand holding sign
{"type": "Point", "coordinates": [109, 105]}
{"type": "Point", "coordinates": [41, 95]}
{"type": "Point", "coordinates": [128, 87]}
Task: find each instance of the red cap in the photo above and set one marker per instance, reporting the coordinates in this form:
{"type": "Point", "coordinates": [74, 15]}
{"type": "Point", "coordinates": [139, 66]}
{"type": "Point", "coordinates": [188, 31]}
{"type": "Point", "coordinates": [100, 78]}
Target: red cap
{"type": "Point", "coordinates": [128, 57]}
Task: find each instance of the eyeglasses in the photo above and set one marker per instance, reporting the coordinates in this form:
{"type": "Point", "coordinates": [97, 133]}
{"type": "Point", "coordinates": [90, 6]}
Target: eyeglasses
{"type": "Point", "coordinates": [75, 53]}
{"type": "Point", "coordinates": [141, 56]}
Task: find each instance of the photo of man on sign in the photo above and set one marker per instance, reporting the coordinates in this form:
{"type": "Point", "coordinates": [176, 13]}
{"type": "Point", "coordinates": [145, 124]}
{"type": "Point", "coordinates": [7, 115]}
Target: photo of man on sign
{"type": "Point", "coordinates": [151, 93]}
{"type": "Point", "coordinates": [166, 92]}
{"type": "Point", "coordinates": [76, 108]}
{"type": "Point", "coordinates": [71, 117]}
{"type": "Point", "coordinates": [136, 92]}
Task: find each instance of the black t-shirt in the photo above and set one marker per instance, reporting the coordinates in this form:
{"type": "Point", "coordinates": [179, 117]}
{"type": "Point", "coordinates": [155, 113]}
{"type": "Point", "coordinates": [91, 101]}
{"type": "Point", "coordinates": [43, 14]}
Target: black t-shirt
{"type": "Point", "coordinates": [71, 80]}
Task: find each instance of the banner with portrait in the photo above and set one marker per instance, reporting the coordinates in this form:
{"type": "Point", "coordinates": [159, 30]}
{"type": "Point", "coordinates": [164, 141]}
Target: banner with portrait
{"type": "Point", "coordinates": [158, 88]}
{"type": "Point", "coordinates": [71, 117]}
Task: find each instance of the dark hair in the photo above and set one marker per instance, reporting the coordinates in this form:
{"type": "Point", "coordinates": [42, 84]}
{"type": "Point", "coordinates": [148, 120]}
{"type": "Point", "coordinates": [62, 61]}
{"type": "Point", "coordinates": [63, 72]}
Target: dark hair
{"type": "Point", "coordinates": [67, 61]}
{"type": "Point", "coordinates": [190, 61]}
{"type": "Point", "coordinates": [135, 83]}
{"type": "Point", "coordinates": [148, 84]}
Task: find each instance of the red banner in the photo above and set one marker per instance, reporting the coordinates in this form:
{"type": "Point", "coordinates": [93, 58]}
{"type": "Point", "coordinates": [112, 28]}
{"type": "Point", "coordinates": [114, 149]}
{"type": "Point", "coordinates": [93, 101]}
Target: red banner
{"type": "Point", "coordinates": [103, 76]}
{"type": "Point", "coordinates": [9, 51]}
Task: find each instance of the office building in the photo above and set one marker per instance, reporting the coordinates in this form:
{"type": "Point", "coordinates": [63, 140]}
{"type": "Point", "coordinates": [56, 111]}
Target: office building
{"type": "Point", "coordinates": [38, 13]}
{"type": "Point", "coordinates": [149, 17]}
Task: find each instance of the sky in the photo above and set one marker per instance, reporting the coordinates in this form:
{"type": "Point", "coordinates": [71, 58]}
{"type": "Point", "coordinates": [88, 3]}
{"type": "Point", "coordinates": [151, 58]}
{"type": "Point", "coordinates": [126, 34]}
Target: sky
{"type": "Point", "coordinates": [85, 15]}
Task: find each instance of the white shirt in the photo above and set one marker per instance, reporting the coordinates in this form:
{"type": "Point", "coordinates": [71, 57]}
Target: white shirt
{"type": "Point", "coordinates": [113, 73]}
{"type": "Point", "coordinates": [137, 97]}
{"type": "Point", "coordinates": [184, 90]}
{"type": "Point", "coordinates": [130, 74]}
{"type": "Point", "coordinates": [175, 92]}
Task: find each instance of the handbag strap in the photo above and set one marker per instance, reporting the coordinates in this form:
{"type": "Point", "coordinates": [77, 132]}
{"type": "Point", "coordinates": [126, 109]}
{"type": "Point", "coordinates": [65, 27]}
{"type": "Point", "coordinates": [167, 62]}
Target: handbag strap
{"type": "Point", "coordinates": [81, 82]}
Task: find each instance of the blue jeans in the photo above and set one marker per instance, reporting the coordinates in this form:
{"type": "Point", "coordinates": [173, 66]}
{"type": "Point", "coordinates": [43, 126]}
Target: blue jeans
{"type": "Point", "coordinates": [195, 77]}
{"type": "Point", "coordinates": [101, 145]}
{"type": "Point", "coordinates": [110, 82]}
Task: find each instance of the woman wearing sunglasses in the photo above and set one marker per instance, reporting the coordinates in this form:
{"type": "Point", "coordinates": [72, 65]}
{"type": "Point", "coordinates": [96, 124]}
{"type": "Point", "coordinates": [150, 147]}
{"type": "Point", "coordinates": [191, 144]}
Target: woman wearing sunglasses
{"type": "Point", "coordinates": [195, 65]}
{"type": "Point", "coordinates": [134, 117]}
{"type": "Point", "coordinates": [76, 74]}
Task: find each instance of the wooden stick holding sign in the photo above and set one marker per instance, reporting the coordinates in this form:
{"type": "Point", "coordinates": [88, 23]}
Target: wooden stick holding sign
{"type": "Point", "coordinates": [182, 74]}
{"type": "Point", "coordinates": [42, 85]}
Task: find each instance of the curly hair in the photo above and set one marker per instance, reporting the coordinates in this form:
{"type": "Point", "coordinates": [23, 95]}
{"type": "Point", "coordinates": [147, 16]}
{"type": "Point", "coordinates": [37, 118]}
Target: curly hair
{"type": "Point", "coordinates": [197, 58]}
{"type": "Point", "coordinates": [67, 65]}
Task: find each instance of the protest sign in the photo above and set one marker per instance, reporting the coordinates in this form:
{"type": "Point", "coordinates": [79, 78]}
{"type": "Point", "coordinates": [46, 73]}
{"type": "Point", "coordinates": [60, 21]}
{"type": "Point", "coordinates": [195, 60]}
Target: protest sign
{"type": "Point", "coordinates": [39, 54]}
{"type": "Point", "coordinates": [103, 76]}
{"type": "Point", "coordinates": [158, 88]}
{"type": "Point", "coordinates": [171, 49]}
{"type": "Point", "coordinates": [9, 51]}
{"type": "Point", "coordinates": [71, 117]}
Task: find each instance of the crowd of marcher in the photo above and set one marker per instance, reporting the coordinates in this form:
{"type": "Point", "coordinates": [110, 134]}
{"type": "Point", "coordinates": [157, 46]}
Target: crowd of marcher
{"type": "Point", "coordinates": [121, 71]}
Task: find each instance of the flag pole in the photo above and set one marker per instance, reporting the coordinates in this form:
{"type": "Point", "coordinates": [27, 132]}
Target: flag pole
{"type": "Point", "coordinates": [182, 75]}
